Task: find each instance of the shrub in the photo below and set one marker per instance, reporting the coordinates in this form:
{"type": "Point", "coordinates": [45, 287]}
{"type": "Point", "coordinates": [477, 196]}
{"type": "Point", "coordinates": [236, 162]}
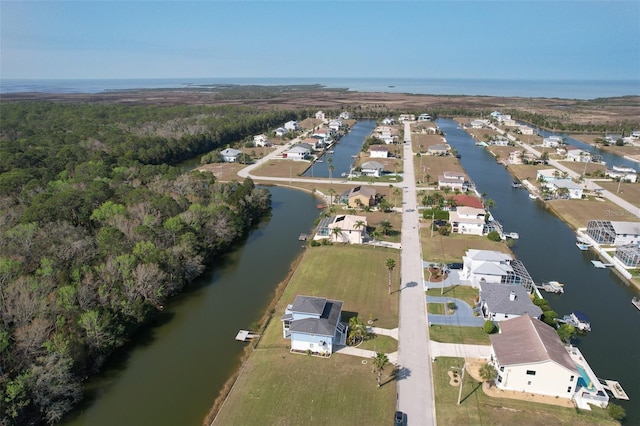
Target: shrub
{"type": "Point", "coordinates": [494, 236]}
{"type": "Point", "coordinates": [314, 243]}
{"type": "Point", "coordinates": [616, 412]}
{"type": "Point", "coordinates": [489, 327]}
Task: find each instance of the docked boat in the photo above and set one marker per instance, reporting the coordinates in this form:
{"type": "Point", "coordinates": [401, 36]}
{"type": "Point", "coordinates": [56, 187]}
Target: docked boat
{"type": "Point", "coordinates": [636, 302]}
{"type": "Point", "coordinates": [577, 319]}
{"type": "Point", "coordinates": [582, 244]}
{"type": "Point", "coordinates": [533, 196]}
{"type": "Point", "coordinates": [552, 287]}
{"type": "Point", "coordinates": [512, 235]}
{"type": "Point", "coordinates": [516, 184]}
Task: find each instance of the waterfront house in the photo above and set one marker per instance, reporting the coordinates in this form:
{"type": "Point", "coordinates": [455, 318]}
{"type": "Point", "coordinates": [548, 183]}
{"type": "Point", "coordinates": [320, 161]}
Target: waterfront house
{"type": "Point", "coordinates": [628, 255]}
{"type": "Point", "coordinates": [466, 200]}
{"type": "Point", "coordinates": [467, 220]}
{"type": "Point", "coordinates": [383, 133]}
{"type": "Point", "coordinates": [572, 190]}
{"type": "Point", "coordinates": [526, 130]}
{"type": "Point", "coordinates": [530, 357]}
{"type": "Point", "coordinates": [298, 152]}
{"type": "Point", "coordinates": [499, 302]}
{"type": "Point", "coordinates": [230, 155]}
{"type": "Point", "coordinates": [372, 168]}
{"type": "Point", "coordinates": [439, 149]}
{"type": "Point", "coordinates": [345, 228]}
{"type": "Point", "coordinates": [292, 126]}
{"type": "Point", "coordinates": [335, 125]}
{"type": "Point", "coordinates": [552, 141]}
{"type": "Point", "coordinates": [579, 155]}
{"type": "Point", "coordinates": [313, 324]}
{"type": "Point", "coordinates": [388, 121]}
{"type": "Point", "coordinates": [612, 137]}
{"type": "Point", "coordinates": [614, 233]}
{"type": "Point", "coordinates": [406, 117]}
{"type": "Point", "coordinates": [314, 143]}
{"type": "Point", "coordinates": [453, 180]}
{"type": "Point", "coordinates": [360, 196]}
{"type": "Point", "coordinates": [624, 174]}
{"type": "Point", "coordinates": [478, 124]}
{"type": "Point", "coordinates": [324, 132]}
{"type": "Point", "coordinates": [378, 151]}
{"type": "Point", "coordinates": [499, 140]}
{"type": "Point", "coordinates": [320, 115]}
{"type": "Point", "coordinates": [280, 132]}
{"type": "Point", "coordinates": [550, 175]}
{"type": "Point", "coordinates": [261, 141]}
{"type": "Point", "coordinates": [481, 266]}
{"type": "Point", "coordinates": [344, 115]}
{"type": "Point", "coordinates": [424, 117]}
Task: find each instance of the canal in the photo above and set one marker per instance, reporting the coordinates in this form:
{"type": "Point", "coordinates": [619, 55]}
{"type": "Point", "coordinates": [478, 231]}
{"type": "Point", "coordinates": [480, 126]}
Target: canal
{"type": "Point", "coordinates": [547, 248]}
{"type": "Point", "coordinates": [174, 369]}
{"type": "Point", "coordinates": [342, 160]}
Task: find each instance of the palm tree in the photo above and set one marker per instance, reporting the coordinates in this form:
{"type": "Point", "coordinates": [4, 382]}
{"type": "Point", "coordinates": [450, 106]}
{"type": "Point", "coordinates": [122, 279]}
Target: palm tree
{"type": "Point", "coordinates": [357, 331]}
{"type": "Point", "coordinates": [375, 234]}
{"type": "Point", "coordinates": [427, 177]}
{"type": "Point", "coordinates": [488, 373]}
{"type": "Point", "coordinates": [489, 203]}
{"type": "Point", "coordinates": [330, 161]}
{"type": "Point", "coordinates": [335, 232]}
{"type": "Point", "coordinates": [380, 360]}
{"type": "Point", "coordinates": [397, 192]}
{"type": "Point", "coordinates": [390, 264]}
{"type": "Point", "coordinates": [385, 226]}
{"type": "Point", "coordinates": [359, 224]}
{"type": "Point", "coordinates": [331, 193]}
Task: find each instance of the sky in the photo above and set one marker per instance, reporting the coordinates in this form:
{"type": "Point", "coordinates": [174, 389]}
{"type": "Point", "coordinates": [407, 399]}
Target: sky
{"type": "Point", "coordinates": [578, 39]}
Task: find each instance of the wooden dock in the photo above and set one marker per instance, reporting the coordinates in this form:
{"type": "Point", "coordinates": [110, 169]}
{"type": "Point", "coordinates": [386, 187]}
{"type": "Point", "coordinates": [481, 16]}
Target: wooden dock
{"type": "Point", "coordinates": [615, 389]}
{"type": "Point", "coordinates": [244, 335]}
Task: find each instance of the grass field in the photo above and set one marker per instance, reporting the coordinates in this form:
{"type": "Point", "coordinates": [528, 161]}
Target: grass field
{"type": "Point", "coordinates": [435, 308]}
{"type": "Point", "coordinates": [455, 334]}
{"type": "Point", "coordinates": [380, 343]}
{"type": "Point", "coordinates": [578, 213]}
{"type": "Point", "coordinates": [462, 292]}
{"type": "Point", "coordinates": [277, 387]}
{"type": "Point", "coordinates": [451, 248]}
{"type": "Point", "coordinates": [477, 408]}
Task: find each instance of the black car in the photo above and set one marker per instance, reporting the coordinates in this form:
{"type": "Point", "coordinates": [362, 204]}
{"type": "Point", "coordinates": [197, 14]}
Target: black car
{"type": "Point", "coordinates": [455, 265]}
{"type": "Point", "coordinates": [399, 419]}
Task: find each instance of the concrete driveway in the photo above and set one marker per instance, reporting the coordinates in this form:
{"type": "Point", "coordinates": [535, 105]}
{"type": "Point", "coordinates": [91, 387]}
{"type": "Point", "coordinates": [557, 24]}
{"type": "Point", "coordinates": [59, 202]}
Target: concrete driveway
{"type": "Point", "coordinates": [463, 315]}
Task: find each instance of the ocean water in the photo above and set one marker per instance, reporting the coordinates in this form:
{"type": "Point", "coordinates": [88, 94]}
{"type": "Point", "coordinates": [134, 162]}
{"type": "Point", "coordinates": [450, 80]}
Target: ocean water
{"type": "Point", "coordinates": [565, 89]}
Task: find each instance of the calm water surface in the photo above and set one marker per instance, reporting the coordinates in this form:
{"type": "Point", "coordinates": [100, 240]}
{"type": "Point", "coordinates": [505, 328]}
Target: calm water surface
{"type": "Point", "coordinates": [547, 248]}
{"type": "Point", "coordinates": [174, 371]}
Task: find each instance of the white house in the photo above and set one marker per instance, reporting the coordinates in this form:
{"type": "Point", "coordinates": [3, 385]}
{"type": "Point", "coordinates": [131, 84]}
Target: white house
{"type": "Point", "coordinates": [313, 324]}
{"type": "Point", "coordinates": [344, 115]}
{"type": "Point", "coordinates": [372, 168]}
{"type": "Point", "coordinates": [499, 141]}
{"type": "Point", "coordinates": [230, 155]}
{"type": "Point", "coordinates": [552, 141]}
{"type": "Point", "coordinates": [490, 266]}
{"type": "Point", "coordinates": [406, 117]}
{"type": "Point", "coordinates": [298, 152]}
{"type": "Point", "coordinates": [314, 143]}
{"type": "Point", "coordinates": [550, 175]}
{"type": "Point", "coordinates": [526, 130]}
{"type": "Point", "coordinates": [335, 125]}
{"type": "Point", "coordinates": [467, 220]}
{"type": "Point", "coordinates": [614, 233]}
{"type": "Point", "coordinates": [320, 115]}
{"type": "Point", "coordinates": [530, 357]}
{"type": "Point", "coordinates": [424, 117]}
{"type": "Point", "coordinates": [344, 228]}
{"type": "Point", "coordinates": [325, 132]}
{"type": "Point", "coordinates": [478, 124]}
{"type": "Point", "coordinates": [453, 180]}
{"type": "Point", "coordinates": [579, 155]}
{"type": "Point", "coordinates": [439, 149]}
{"type": "Point", "coordinates": [378, 151]}
{"type": "Point", "coordinates": [625, 174]}
{"type": "Point", "coordinates": [261, 140]}
{"type": "Point", "coordinates": [388, 121]}
{"type": "Point", "coordinates": [291, 126]}
{"type": "Point", "coordinates": [574, 190]}
{"type": "Point", "coordinates": [383, 133]}
{"type": "Point", "coordinates": [280, 132]}
{"type": "Point", "coordinates": [612, 137]}
{"type": "Point", "coordinates": [499, 302]}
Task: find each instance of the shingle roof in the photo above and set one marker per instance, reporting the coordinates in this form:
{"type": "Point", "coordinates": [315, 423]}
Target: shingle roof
{"type": "Point", "coordinates": [526, 340]}
{"type": "Point", "coordinates": [497, 298]}
{"type": "Point", "coordinates": [329, 311]}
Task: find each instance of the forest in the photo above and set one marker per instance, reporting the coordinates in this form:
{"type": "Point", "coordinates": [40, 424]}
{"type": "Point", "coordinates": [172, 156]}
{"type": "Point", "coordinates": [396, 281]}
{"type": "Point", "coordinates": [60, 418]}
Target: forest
{"type": "Point", "coordinates": [98, 230]}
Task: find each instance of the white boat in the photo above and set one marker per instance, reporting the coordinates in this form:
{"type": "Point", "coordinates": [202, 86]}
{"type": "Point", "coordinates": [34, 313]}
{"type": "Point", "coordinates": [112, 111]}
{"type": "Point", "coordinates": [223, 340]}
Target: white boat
{"type": "Point", "coordinates": [533, 196]}
{"type": "Point", "coordinates": [552, 287]}
{"type": "Point", "coordinates": [636, 302]}
{"type": "Point", "coordinates": [577, 319]}
{"type": "Point", "coordinates": [512, 235]}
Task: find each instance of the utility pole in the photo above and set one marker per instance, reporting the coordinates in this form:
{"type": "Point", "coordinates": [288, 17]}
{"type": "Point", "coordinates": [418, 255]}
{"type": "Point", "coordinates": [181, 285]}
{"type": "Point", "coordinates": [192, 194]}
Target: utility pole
{"type": "Point", "coordinates": [461, 382]}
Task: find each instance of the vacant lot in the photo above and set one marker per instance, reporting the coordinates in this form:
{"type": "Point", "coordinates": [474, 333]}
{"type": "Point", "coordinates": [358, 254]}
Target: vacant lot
{"type": "Point", "coordinates": [451, 248]}
{"type": "Point", "coordinates": [577, 213]}
{"type": "Point", "coordinates": [277, 387]}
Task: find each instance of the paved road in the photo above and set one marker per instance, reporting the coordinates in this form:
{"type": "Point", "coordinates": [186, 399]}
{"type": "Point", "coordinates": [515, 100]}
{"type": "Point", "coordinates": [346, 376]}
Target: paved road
{"type": "Point", "coordinates": [415, 388]}
{"type": "Point", "coordinates": [463, 315]}
{"type": "Point", "coordinates": [460, 351]}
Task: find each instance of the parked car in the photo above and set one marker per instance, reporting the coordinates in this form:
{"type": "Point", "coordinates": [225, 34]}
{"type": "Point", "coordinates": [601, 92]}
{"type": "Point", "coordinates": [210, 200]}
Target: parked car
{"type": "Point", "coordinates": [399, 419]}
{"type": "Point", "coordinates": [440, 222]}
{"type": "Point", "coordinates": [455, 265]}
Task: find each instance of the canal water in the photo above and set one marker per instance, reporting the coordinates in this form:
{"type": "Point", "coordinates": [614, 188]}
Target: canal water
{"type": "Point", "coordinates": [349, 145]}
{"type": "Point", "coordinates": [174, 370]}
{"type": "Point", "coordinates": [547, 248]}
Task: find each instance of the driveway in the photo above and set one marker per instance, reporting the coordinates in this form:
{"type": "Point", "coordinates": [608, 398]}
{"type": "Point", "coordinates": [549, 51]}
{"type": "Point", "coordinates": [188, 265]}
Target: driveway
{"type": "Point", "coordinates": [463, 315]}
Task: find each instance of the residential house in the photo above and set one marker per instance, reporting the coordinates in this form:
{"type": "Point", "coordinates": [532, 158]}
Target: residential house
{"type": "Point", "coordinates": [372, 168]}
{"type": "Point", "coordinates": [344, 115]}
{"type": "Point", "coordinates": [320, 115]}
{"type": "Point", "coordinates": [614, 233]}
{"type": "Point", "coordinates": [439, 149]}
{"type": "Point", "coordinates": [388, 121]}
{"type": "Point", "coordinates": [466, 200]}
{"type": "Point", "coordinates": [520, 157]}
{"type": "Point", "coordinates": [453, 180]}
{"type": "Point", "coordinates": [481, 266]}
{"type": "Point", "coordinates": [467, 220]}
{"type": "Point", "coordinates": [495, 114]}
{"type": "Point", "coordinates": [313, 324]}
{"type": "Point", "coordinates": [360, 196]}
{"type": "Point", "coordinates": [335, 125]}
{"type": "Point", "coordinates": [628, 255]}
{"type": "Point", "coordinates": [499, 141]}
{"type": "Point", "coordinates": [499, 302]}
{"type": "Point", "coordinates": [292, 126]}
{"type": "Point", "coordinates": [324, 132]}
{"type": "Point", "coordinates": [576, 154]}
{"type": "Point", "coordinates": [573, 190]}
{"type": "Point", "coordinates": [406, 117]}
{"type": "Point", "coordinates": [261, 141]}
{"type": "Point", "coordinates": [378, 151]}
{"type": "Point", "coordinates": [530, 357]}
{"type": "Point", "coordinates": [625, 174]}
{"type": "Point", "coordinates": [344, 228]}
{"type": "Point", "coordinates": [424, 117]}
{"type": "Point", "coordinates": [612, 137]}
{"type": "Point", "coordinates": [280, 132]}
{"type": "Point", "coordinates": [552, 141]}
{"type": "Point", "coordinates": [478, 124]}
{"type": "Point", "coordinates": [298, 152]}
{"type": "Point", "coordinates": [526, 130]}
{"type": "Point", "coordinates": [314, 143]}
{"type": "Point", "coordinates": [383, 133]}
{"type": "Point", "coordinates": [230, 155]}
{"type": "Point", "coordinates": [550, 175]}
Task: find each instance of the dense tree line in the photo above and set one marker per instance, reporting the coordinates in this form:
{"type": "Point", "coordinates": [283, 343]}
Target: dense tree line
{"type": "Point", "coordinates": [96, 234]}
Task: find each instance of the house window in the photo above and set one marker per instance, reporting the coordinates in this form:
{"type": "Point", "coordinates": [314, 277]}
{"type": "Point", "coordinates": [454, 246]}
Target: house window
{"type": "Point", "coordinates": [499, 379]}
{"type": "Point", "coordinates": [531, 373]}
{"type": "Point", "coordinates": [571, 378]}
{"type": "Point", "coordinates": [569, 389]}
{"type": "Point", "coordinates": [529, 383]}
{"type": "Point", "coordinates": [502, 368]}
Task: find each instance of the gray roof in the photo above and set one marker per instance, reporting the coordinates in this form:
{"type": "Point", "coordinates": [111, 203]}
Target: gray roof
{"type": "Point", "coordinates": [230, 152]}
{"type": "Point", "coordinates": [329, 311]}
{"type": "Point", "coordinates": [627, 228]}
{"type": "Point", "coordinates": [526, 340]}
{"type": "Point", "coordinates": [372, 165]}
{"type": "Point", "coordinates": [439, 147]}
{"type": "Point", "coordinates": [497, 298]}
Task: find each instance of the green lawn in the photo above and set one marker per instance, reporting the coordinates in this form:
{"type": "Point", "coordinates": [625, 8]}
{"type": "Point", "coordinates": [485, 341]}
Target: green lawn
{"type": "Point", "coordinates": [277, 387]}
{"type": "Point", "coordinates": [380, 343]}
{"type": "Point", "coordinates": [435, 308]}
{"type": "Point", "coordinates": [479, 409]}
{"type": "Point", "coordinates": [455, 334]}
{"type": "Point", "coordinates": [466, 293]}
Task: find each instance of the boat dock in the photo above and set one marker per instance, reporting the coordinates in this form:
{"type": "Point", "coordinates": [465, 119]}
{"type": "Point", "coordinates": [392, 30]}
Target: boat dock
{"type": "Point", "coordinates": [303, 237]}
{"type": "Point", "coordinates": [615, 389]}
{"type": "Point", "coordinates": [244, 335]}
{"type": "Point", "coordinates": [601, 265]}
{"type": "Point", "coordinates": [551, 287]}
